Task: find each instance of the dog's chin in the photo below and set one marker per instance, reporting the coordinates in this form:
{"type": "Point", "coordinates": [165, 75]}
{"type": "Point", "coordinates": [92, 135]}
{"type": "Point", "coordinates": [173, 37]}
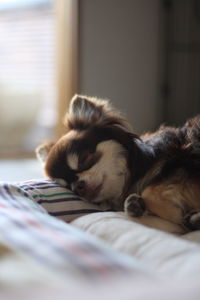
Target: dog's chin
{"type": "Point", "coordinates": [105, 201]}
{"type": "Point", "coordinates": [102, 202]}
{"type": "Point", "coordinates": [94, 194]}
{"type": "Point", "coordinates": [98, 195]}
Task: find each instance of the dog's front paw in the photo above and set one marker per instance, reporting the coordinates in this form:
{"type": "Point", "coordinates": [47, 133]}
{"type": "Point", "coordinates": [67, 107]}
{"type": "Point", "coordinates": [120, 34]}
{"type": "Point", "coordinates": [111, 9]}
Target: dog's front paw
{"type": "Point", "coordinates": [134, 205]}
{"type": "Point", "coordinates": [192, 221]}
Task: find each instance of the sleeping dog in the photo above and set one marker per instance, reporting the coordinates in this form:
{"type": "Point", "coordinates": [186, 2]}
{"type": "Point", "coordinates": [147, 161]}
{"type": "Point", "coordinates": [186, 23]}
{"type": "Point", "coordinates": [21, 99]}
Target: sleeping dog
{"type": "Point", "coordinates": [103, 161]}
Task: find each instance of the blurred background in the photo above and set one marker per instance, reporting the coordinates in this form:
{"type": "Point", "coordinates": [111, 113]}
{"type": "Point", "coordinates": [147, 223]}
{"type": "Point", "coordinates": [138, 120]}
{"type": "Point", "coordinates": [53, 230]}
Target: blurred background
{"type": "Point", "coordinates": [143, 55]}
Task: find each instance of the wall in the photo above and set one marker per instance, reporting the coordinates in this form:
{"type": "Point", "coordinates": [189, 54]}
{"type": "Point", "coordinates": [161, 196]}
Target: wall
{"type": "Point", "coordinates": [120, 54]}
{"type": "Point", "coordinates": [183, 56]}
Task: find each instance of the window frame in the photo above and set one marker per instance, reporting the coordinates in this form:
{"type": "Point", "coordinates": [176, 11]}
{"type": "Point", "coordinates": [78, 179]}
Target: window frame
{"type": "Point", "coordinates": [67, 57]}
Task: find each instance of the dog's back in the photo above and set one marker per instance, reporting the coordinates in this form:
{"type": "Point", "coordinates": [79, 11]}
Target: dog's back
{"type": "Point", "coordinates": [171, 188]}
{"type": "Point", "coordinates": [177, 148]}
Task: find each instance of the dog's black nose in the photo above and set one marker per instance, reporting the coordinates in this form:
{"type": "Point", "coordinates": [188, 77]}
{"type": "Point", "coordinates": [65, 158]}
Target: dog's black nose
{"type": "Point", "coordinates": [80, 188]}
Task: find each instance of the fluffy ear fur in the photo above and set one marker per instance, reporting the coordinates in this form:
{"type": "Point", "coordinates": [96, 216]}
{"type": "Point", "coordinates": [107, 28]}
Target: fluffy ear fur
{"type": "Point", "coordinates": [86, 111]}
{"type": "Point", "coordinates": [42, 151]}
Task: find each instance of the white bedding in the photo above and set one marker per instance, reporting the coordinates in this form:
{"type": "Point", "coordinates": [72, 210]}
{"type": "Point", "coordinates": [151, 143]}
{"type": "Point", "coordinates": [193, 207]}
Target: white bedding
{"type": "Point", "coordinates": [163, 253]}
{"type": "Point", "coordinates": [42, 257]}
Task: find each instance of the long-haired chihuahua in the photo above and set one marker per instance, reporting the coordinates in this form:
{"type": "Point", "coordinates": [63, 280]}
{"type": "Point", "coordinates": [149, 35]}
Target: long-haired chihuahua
{"type": "Point", "coordinates": [103, 161]}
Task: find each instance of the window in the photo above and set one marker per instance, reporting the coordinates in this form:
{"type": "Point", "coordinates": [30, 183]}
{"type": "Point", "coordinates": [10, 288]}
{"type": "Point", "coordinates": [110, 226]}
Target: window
{"type": "Point", "coordinates": [31, 75]}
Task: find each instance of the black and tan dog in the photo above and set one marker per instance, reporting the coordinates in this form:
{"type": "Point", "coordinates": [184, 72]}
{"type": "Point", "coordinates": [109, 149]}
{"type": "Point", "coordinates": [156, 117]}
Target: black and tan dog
{"type": "Point", "coordinates": [103, 161]}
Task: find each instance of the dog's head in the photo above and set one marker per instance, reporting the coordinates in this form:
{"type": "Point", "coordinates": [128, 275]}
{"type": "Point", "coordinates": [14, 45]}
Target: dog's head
{"type": "Point", "coordinates": [95, 157]}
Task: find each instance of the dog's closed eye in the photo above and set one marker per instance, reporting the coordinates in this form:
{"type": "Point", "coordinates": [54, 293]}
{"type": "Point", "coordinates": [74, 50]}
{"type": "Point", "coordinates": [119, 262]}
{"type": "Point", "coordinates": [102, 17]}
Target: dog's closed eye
{"type": "Point", "coordinates": [87, 160]}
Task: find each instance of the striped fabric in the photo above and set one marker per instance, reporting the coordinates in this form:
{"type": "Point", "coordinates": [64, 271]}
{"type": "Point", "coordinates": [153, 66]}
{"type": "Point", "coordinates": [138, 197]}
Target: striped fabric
{"type": "Point", "coordinates": [26, 227]}
{"type": "Point", "coordinates": [57, 200]}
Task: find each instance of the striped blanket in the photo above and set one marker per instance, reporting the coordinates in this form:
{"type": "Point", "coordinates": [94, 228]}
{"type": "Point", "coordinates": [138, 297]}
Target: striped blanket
{"type": "Point", "coordinates": [27, 229]}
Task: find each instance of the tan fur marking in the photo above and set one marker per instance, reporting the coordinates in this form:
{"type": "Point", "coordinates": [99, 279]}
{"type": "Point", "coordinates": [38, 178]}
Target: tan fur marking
{"type": "Point", "coordinates": [72, 160]}
{"type": "Point", "coordinates": [168, 200]}
{"type": "Point", "coordinates": [159, 200]}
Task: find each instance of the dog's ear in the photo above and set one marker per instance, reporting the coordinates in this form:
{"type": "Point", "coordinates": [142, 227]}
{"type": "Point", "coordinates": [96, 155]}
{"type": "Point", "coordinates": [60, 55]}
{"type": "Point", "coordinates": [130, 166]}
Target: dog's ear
{"type": "Point", "coordinates": [85, 112]}
{"type": "Point", "coordinates": [43, 150]}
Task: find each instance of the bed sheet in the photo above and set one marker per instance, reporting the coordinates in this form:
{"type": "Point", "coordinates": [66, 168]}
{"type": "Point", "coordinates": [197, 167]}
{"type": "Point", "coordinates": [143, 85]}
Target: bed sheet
{"type": "Point", "coordinates": [165, 254]}
{"type": "Point", "coordinates": [42, 257]}
{"type": "Point", "coordinates": [32, 239]}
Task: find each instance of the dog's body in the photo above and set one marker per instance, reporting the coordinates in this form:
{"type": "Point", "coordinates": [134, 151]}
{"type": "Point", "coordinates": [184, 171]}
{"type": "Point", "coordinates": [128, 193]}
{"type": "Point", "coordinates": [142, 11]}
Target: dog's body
{"type": "Point", "coordinates": [104, 162]}
{"type": "Point", "coordinates": [170, 188]}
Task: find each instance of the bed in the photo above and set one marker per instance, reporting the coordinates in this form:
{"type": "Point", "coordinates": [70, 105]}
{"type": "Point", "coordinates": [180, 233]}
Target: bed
{"type": "Point", "coordinates": [55, 245]}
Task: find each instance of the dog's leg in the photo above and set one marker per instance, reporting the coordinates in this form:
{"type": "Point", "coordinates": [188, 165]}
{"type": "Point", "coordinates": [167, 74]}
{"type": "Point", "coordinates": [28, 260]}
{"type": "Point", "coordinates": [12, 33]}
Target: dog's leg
{"type": "Point", "coordinates": [134, 205]}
